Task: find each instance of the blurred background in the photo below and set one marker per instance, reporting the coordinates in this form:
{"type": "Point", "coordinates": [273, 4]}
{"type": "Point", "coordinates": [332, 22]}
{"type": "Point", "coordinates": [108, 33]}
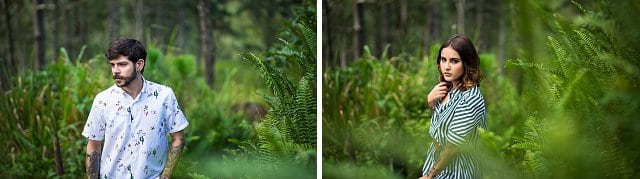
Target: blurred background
{"type": "Point", "coordinates": [240, 70]}
{"type": "Point", "coordinates": [560, 84]}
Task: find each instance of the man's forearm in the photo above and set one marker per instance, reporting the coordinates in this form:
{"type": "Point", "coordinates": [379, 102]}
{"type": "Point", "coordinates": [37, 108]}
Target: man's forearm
{"type": "Point", "coordinates": [93, 165]}
{"type": "Point", "coordinates": [172, 158]}
{"type": "Point", "coordinates": [92, 161]}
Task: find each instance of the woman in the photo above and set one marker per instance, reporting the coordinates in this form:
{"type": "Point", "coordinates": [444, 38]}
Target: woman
{"type": "Point", "coordinates": [457, 108]}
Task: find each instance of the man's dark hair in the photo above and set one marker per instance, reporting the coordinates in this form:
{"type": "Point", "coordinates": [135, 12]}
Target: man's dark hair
{"type": "Point", "coordinates": [130, 48]}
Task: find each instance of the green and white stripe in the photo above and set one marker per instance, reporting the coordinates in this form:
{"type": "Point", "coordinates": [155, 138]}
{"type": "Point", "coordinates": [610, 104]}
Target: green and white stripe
{"type": "Point", "coordinates": [455, 123]}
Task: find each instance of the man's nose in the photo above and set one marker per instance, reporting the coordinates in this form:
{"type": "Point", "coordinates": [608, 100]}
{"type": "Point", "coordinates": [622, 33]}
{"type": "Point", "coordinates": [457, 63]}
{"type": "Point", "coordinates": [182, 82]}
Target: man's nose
{"type": "Point", "coordinates": [115, 70]}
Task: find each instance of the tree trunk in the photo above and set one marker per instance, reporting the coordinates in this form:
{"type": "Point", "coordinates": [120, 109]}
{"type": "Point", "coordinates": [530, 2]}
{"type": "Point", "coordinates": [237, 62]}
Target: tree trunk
{"type": "Point", "coordinates": [208, 48]}
{"type": "Point", "coordinates": [387, 29]}
{"type": "Point", "coordinates": [268, 31]}
{"type": "Point", "coordinates": [426, 33]}
{"type": "Point", "coordinates": [460, 9]}
{"type": "Point", "coordinates": [432, 32]}
{"type": "Point", "coordinates": [381, 27]}
{"type": "Point", "coordinates": [56, 28]}
{"type": "Point", "coordinates": [5, 72]}
{"type": "Point", "coordinates": [500, 56]}
{"type": "Point", "coordinates": [181, 28]}
{"type": "Point", "coordinates": [157, 9]}
{"type": "Point", "coordinates": [57, 155]}
{"type": "Point", "coordinates": [114, 19]}
{"type": "Point", "coordinates": [403, 16]}
{"type": "Point", "coordinates": [67, 26]}
{"type": "Point", "coordinates": [39, 34]}
{"type": "Point", "coordinates": [343, 53]}
{"type": "Point", "coordinates": [139, 14]}
{"type": "Point", "coordinates": [436, 29]}
{"type": "Point", "coordinates": [82, 23]}
{"type": "Point", "coordinates": [358, 27]}
{"type": "Point", "coordinates": [328, 55]}
{"type": "Point", "coordinates": [425, 39]}
{"type": "Point", "coordinates": [479, 20]}
{"type": "Point", "coordinates": [76, 44]}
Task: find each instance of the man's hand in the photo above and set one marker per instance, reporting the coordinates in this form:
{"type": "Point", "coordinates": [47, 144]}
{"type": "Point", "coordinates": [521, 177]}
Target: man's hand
{"type": "Point", "coordinates": [92, 161]}
{"type": "Point", "coordinates": [177, 142]}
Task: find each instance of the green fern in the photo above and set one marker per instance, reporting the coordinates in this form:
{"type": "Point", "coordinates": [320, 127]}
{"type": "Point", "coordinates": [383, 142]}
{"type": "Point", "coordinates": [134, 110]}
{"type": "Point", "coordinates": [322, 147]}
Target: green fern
{"type": "Point", "coordinates": [288, 132]}
{"type": "Point", "coordinates": [578, 126]}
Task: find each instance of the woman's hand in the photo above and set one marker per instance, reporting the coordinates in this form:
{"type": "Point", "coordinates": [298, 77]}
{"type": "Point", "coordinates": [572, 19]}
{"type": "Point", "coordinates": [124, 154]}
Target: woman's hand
{"type": "Point", "coordinates": [427, 177]}
{"type": "Point", "coordinates": [438, 92]}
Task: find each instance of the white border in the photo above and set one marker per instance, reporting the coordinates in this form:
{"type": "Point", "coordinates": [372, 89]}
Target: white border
{"type": "Point", "coordinates": [319, 89]}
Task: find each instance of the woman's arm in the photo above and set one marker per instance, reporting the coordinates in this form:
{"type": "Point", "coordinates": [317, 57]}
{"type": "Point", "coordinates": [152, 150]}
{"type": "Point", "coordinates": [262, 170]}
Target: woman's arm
{"type": "Point", "coordinates": [445, 158]}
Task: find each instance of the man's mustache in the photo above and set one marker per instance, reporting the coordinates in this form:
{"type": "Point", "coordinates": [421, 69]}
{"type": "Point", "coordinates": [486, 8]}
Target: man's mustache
{"type": "Point", "coordinates": [117, 77]}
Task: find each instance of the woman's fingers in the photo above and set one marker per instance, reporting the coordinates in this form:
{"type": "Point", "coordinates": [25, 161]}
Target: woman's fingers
{"type": "Point", "coordinates": [438, 92]}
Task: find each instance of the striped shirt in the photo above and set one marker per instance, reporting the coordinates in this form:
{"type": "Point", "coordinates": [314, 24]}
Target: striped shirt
{"type": "Point", "coordinates": [455, 123]}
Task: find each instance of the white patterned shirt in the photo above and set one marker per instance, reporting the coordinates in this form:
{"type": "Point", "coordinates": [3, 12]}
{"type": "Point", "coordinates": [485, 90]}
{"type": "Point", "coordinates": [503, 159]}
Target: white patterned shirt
{"type": "Point", "coordinates": [134, 131]}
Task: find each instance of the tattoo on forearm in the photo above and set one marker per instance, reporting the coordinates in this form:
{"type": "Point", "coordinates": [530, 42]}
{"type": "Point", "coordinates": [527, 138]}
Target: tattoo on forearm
{"type": "Point", "coordinates": [174, 154]}
{"type": "Point", "coordinates": [94, 165]}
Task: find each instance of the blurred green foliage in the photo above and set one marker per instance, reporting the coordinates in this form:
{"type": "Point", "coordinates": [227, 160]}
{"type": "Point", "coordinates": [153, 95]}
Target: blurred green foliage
{"type": "Point", "coordinates": [571, 115]}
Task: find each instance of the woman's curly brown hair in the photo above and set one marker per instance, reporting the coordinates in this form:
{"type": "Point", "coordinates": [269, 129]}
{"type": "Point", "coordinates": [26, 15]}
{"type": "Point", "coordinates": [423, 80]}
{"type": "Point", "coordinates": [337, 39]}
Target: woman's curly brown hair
{"type": "Point", "coordinates": [470, 60]}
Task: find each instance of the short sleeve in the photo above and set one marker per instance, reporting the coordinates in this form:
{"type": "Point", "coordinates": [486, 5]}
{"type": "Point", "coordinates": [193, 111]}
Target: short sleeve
{"type": "Point", "coordinates": [466, 117]}
{"type": "Point", "coordinates": [94, 129]}
{"type": "Point", "coordinates": [174, 118]}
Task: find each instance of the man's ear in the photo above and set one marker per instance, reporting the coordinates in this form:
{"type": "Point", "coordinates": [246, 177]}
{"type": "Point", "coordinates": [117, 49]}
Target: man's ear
{"type": "Point", "coordinates": [140, 63]}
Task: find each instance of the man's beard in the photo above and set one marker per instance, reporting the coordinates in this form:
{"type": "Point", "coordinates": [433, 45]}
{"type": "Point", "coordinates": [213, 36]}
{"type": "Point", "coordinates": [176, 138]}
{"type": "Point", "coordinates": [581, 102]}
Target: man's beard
{"type": "Point", "coordinates": [127, 80]}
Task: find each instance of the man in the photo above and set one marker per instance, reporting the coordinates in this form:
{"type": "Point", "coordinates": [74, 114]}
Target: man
{"type": "Point", "coordinates": [128, 123]}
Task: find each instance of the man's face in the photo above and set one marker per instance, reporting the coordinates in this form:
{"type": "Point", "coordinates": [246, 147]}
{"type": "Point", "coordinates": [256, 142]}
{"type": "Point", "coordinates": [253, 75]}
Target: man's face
{"type": "Point", "coordinates": [123, 71]}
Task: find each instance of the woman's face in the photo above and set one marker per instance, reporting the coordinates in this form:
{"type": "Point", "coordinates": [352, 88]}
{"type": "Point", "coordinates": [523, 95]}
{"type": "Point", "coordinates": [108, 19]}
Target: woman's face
{"type": "Point", "coordinates": [451, 65]}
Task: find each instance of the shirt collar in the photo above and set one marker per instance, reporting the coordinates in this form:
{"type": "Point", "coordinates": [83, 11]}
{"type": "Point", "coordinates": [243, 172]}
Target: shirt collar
{"type": "Point", "coordinates": [144, 89]}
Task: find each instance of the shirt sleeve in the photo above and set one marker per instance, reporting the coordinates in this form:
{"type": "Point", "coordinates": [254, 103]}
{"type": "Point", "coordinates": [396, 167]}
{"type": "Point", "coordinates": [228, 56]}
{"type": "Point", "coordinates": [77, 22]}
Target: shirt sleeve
{"type": "Point", "coordinates": [174, 118]}
{"type": "Point", "coordinates": [465, 119]}
{"type": "Point", "coordinates": [95, 127]}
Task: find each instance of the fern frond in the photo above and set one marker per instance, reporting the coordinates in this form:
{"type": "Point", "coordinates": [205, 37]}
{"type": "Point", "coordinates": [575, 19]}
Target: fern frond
{"type": "Point", "coordinates": [305, 113]}
{"type": "Point", "coordinates": [308, 36]}
{"type": "Point", "coordinates": [566, 67]}
{"type": "Point", "coordinates": [533, 164]}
